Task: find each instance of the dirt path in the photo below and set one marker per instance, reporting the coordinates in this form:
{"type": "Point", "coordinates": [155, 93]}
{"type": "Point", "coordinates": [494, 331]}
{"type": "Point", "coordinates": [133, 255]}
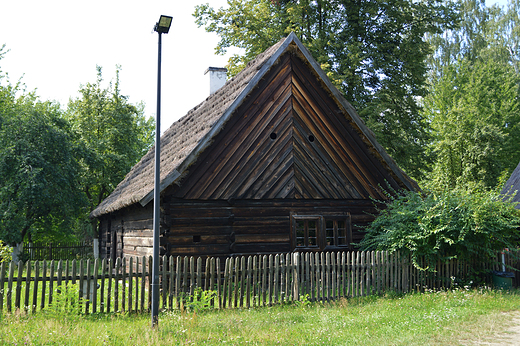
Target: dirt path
{"type": "Point", "coordinates": [510, 336]}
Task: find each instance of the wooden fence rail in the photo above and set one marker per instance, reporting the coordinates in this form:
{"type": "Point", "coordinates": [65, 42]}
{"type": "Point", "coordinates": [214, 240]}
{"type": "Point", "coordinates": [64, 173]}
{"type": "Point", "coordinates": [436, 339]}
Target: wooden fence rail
{"type": "Point", "coordinates": [124, 286]}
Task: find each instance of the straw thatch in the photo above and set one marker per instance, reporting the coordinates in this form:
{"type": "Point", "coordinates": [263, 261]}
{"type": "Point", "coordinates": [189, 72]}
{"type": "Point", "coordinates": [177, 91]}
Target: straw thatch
{"type": "Point", "coordinates": [512, 186]}
{"type": "Point", "coordinates": [183, 142]}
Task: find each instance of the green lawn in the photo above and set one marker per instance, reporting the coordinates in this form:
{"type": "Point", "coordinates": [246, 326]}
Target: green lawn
{"type": "Point", "coordinates": [453, 317]}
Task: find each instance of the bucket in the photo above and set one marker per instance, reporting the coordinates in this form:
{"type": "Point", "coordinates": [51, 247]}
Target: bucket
{"type": "Point", "coordinates": [503, 280]}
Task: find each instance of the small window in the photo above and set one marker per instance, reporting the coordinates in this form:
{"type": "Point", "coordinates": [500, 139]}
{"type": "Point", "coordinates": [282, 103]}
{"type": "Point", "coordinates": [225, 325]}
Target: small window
{"type": "Point", "coordinates": [307, 231]}
{"type": "Point", "coordinates": [322, 231]}
{"type": "Point", "coordinates": [336, 232]}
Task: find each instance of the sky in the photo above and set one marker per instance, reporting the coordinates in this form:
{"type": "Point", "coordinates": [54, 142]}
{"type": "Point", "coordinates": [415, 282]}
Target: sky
{"type": "Point", "coordinates": [55, 46]}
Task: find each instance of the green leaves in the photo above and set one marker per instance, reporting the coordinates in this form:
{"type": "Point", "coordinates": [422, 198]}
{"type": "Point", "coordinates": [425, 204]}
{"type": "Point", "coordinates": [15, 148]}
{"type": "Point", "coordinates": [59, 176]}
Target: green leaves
{"type": "Point", "coordinates": [39, 190]}
{"type": "Point", "coordinates": [467, 224]}
{"type": "Point", "coordinates": [112, 135]}
{"type": "Point", "coordinates": [474, 101]}
{"type": "Point", "coordinates": [474, 114]}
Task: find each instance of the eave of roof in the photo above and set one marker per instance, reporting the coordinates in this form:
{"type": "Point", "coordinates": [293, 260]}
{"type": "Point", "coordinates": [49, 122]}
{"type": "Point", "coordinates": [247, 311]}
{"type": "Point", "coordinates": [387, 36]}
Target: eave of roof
{"type": "Point", "coordinates": [512, 187]}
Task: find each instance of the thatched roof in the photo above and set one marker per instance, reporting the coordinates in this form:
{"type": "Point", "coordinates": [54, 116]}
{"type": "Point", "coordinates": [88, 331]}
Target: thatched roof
{"type": "Point", "coordinates": [182, 143]}
{"type": "Point", "coordinates": [512, 186]}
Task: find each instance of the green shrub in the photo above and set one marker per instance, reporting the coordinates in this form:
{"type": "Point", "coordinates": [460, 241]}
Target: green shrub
{"type": "Point", "coordinates": [66, 301]}
{"type": "Point", "coordinates": [5, 252]}
{"type": "Point", "coordinates": [200, 300]}
{"type": "Point", "coordinates": [467, 224]}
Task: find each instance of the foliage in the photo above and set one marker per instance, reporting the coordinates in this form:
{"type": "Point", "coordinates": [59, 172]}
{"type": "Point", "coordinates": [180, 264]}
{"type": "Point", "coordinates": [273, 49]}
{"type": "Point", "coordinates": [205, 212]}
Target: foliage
{"type": "Point", "coordinates": [489, 33]}
{"type": "Point", "coordinates": [65, 301]}
{"type": "Point", "coordinates": [200, 300]}
{"type": "Point", "coordinates": [467, 224]}
{"type": "Point", "coordinates": [112, 134]}
{"type": "Point", "coordinates": [5, 252]}
{"type": "Point", "coordinates": [39, 191]}
{"type": "Point", "coordinates": [474, 110]}
{"type": "Point", "coordinates": [373, 51]}
{"type": "Point", "coordinates": [474, 99]}
{"type": "Point", "coordinates": [303, 302]}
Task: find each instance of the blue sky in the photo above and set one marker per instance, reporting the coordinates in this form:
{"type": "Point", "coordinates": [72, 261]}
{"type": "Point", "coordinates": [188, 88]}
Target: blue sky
{"type": "Point", "coordinates": [56, 44]}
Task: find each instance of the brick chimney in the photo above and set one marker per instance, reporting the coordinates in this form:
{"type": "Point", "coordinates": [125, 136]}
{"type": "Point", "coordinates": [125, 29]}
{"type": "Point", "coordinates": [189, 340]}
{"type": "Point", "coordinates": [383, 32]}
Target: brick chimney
{"type": "Point", "coordinates": [217, 78]}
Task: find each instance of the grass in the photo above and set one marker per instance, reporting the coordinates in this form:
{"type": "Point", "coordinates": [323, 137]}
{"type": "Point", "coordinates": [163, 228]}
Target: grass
{"type": "Point", "coordinates": [433, 318]}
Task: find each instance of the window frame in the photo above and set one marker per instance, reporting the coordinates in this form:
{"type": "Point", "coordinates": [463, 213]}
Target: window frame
{"type": "Point", "coordinates": [306, 218]}
{"type": "Point", "coordinates": [321, 231]}
{"type": "Point", "coordinates": [347, 228]}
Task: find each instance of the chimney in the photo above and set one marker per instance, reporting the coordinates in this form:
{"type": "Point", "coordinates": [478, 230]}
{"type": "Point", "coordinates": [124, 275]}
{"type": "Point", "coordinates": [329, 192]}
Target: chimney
{"type": "Point", "coordinates": [217, 78]}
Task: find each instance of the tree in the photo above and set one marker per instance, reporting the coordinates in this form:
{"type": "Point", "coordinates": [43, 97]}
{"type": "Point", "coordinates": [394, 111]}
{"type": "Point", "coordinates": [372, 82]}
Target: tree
{"type": "Point", "coordinates": [474, 101]}
{"type": "Point", "coordinates": [40, 195]}
{"type": "Point", "coordinates": [112, 134]}
{"type": "Point", "coordinates": [489, 33]}
{"type": "Point", "coordinates": [475, 114]}
{"type": "Point", "coordinates": [373, 51]}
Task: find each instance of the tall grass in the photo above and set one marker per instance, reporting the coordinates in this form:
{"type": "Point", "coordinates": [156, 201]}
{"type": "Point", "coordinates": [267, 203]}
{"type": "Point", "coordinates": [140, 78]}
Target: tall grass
{"type": "Point", "coordinates": [433, 318]}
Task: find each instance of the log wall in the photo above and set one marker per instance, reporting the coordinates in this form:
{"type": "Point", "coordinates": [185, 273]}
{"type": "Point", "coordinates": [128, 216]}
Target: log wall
{"type": "Point", "coordinates": [220, 228]}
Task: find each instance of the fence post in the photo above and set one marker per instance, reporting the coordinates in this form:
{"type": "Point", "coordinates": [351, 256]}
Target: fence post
{"type": "Point", "coordinates": [192, 276]}
{"type": "Point", "coordinates": [296, 279]}
{"type": "Point", "coordinates": [270, 281]}
{"type": "Point", "coordinates": [217, 280]}
{"type": "Point", "coordinates": [95, 248]}
{"type": "Point", "coordinates": [172, 282]}
{"type": "Point", "coordinates": [312, 272]}
{"type": "Point", "coordinates": [222, 298]}
{"type": "Point", "coordinates": [287, 277]}
{"type": "Point", "coordinates": [264, 279]}
{"type": "Point", "coordinates": [27, 286]}
{"type": "Point", "coordinates": [248, 283]}
{"type": "Point", "coordinates": [255, 289]}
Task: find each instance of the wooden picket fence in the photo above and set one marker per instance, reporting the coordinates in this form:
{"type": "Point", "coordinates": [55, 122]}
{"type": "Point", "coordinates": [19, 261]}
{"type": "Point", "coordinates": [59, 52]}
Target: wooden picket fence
{"type": "Point", "coordinates": [239, 282]}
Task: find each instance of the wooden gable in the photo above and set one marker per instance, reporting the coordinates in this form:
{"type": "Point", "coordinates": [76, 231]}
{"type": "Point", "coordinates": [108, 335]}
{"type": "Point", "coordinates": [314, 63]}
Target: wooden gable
{"type": "Point", "coordinates": [289, 139]}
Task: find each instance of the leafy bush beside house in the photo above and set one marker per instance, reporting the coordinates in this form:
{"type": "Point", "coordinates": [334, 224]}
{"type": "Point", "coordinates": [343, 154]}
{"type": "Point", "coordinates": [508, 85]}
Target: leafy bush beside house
{"type": "Point", "coordinates": [467, 224]}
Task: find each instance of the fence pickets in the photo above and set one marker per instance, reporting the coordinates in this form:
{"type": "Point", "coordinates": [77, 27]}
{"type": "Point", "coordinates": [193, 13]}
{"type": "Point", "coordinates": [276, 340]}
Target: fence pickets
{"type": "Point", "coordinates": [240, 282]}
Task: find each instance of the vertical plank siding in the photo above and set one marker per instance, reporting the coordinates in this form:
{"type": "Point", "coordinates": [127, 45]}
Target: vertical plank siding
{"type": "Point", "coordinates": [245, 281]}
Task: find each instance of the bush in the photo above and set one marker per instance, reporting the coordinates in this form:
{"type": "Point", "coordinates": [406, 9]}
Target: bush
{"type": "Point", "coordinates": [5, 252]}
{"type": "Point", "coordinates": [66, 301]}
{"type": "Point", "coordinates": [467, 224]}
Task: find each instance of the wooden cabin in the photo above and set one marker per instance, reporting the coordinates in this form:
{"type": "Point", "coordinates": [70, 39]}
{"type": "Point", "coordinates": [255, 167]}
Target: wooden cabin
{"type": "Point", "coordinates": [274, 161]}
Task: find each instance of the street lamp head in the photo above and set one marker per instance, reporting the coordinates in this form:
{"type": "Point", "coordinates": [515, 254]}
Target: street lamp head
{"type": "Point", "coordinates": [163, 25]}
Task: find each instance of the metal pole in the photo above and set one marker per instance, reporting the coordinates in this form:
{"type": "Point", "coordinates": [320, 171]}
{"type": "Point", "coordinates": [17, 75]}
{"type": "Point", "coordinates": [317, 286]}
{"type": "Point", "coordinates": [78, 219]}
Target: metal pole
{"type": "Point", "coordinates": [157, 198]}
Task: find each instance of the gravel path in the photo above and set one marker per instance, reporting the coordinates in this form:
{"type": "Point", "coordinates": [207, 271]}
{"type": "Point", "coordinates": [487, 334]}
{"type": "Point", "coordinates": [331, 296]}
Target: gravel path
{"type": "Point", "coordinates": [511, 336]}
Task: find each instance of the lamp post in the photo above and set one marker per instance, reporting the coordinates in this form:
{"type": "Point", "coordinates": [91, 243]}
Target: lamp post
{"type": "Point", "coordinates": [161, 27]}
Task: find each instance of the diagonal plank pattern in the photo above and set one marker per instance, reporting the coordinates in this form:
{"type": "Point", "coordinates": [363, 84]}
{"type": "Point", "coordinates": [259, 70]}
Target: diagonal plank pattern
{"type": "Point", "coordinates": [286, 141]}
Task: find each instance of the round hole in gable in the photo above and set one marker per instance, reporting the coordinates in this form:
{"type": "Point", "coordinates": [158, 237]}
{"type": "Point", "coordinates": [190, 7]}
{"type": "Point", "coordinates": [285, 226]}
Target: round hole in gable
{"type": "Point", "coordinates": [273, 135]}
{"type": "Point", "coordinates": [311, 138]}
